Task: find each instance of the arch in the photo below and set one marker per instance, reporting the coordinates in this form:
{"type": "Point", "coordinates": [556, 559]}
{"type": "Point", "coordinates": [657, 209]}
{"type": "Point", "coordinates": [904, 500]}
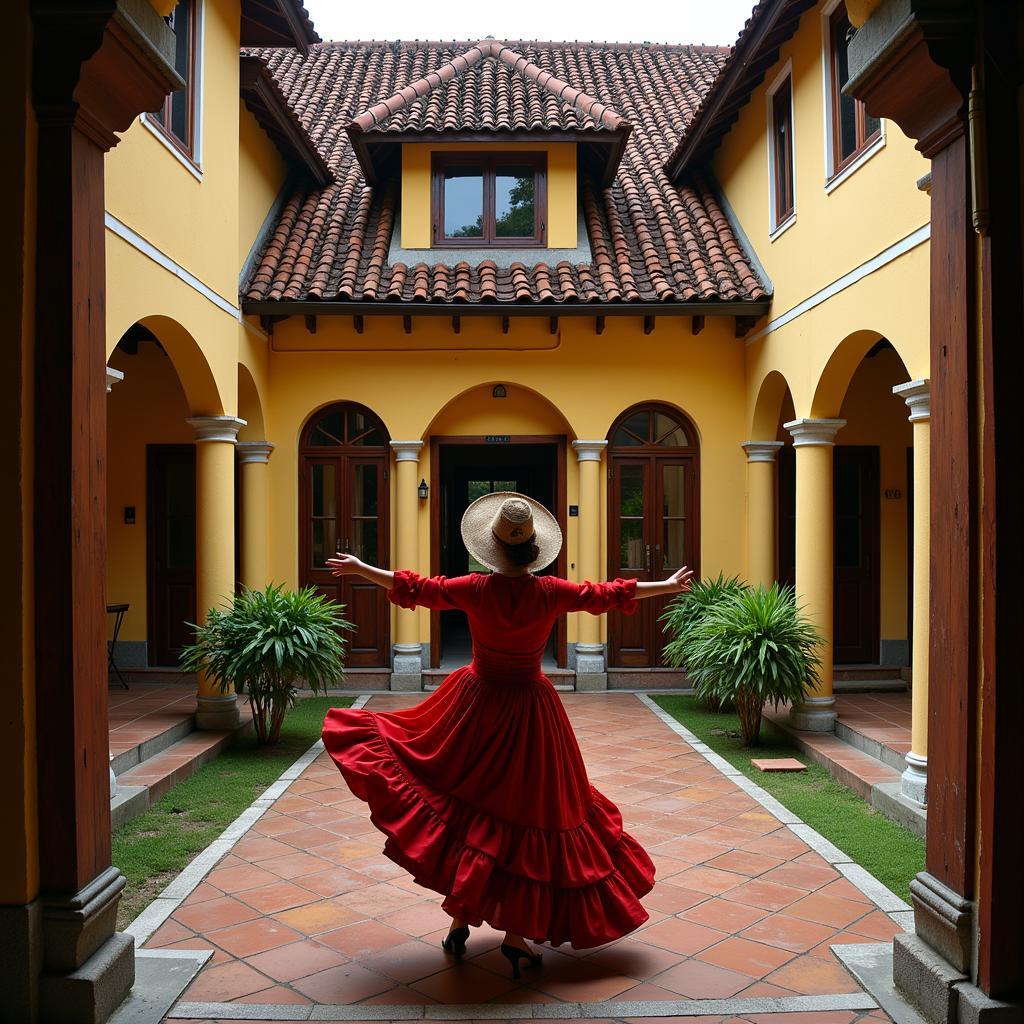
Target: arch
{"type": "Point", "coordinates": [660, 438]}
{"type": "Point", "coordinates": [250, 407]}
{"type": "Point", "coordinates": [524, 410]}
{"type": "Point", "coordinates": [349, 425]}
{"type": "Point", "coordinates": [838, 371]}
{"type": "Point", "coordinates": [189, 361]}
{"type": "Point", "coordinates": [771, 399]}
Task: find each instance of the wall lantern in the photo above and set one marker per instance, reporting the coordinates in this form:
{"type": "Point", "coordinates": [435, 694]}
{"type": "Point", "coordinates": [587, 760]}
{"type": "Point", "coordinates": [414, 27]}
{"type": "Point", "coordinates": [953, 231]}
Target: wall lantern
{"type": "Point", "coordinates": [423, 490]}
{"type": "Point", "coordinates": [499, 391]}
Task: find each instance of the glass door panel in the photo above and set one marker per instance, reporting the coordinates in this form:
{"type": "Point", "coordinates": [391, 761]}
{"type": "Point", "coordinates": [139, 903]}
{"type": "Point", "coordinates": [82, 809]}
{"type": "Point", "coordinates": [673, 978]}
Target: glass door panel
{"type": "Point", "coordinates": [633, 545]}
{"type": "Point", "coordinates": [672, 507]}
{"type": "Point", "coordinates": [323, 506]}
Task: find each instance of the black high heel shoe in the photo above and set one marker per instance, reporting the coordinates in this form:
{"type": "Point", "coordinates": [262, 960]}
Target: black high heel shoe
{"type": "Point", "coordinates": [513, 954]}
{"type": "Point", "coordinates": [455, 942]}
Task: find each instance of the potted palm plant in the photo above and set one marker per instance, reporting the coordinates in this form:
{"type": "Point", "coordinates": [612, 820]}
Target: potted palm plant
{"type": "Point", "coordinates": [684, 612]}
{"type": "Point", "coordinates": [753, 647]}
{"type": "Point", "coordinates": [266, 642]}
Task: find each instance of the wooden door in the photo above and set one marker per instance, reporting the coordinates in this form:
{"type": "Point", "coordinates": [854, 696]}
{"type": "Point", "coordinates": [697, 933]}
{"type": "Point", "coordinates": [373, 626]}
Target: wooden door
{"type": "Point", "coordinates": [653, 527]}
{"type": "Point", "coordinates": [171, 554]}
{"type": "Point", "coordinates": [857, 578]}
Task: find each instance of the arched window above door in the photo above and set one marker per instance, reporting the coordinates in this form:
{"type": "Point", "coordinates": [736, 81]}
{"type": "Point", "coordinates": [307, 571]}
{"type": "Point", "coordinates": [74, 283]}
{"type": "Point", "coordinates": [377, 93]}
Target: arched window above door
{"type": "Point", "coordinates": [345, 425]}
{"type": "Point", "coordinates": [652, 426]}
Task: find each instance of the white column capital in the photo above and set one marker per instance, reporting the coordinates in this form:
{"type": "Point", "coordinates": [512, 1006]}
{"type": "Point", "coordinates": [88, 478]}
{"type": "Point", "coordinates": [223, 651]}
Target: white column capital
{"type": "Point", "coordinates": [113, 376]}
{"type": "Point", "coordinates": [761, 451]}
{"type": "Point", "coordinates": [918, 396]}
{"type": "Point", "coordinates": [216, 428]}
{"type": "Point", "coordinates": [406, 451]}
{"type": "Point", "coordinates": [589, 451]}
{"type": "Point", "coordinates": [254, 451]}
{"type": "Point", "coordinates": [821, 433]}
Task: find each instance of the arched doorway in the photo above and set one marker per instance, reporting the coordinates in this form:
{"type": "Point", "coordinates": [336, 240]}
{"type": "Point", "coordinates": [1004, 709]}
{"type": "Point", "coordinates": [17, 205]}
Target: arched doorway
{"type": "Point", "coordinates": [653, 519]}
{"type": "Point", "coordinates": [343, 505]}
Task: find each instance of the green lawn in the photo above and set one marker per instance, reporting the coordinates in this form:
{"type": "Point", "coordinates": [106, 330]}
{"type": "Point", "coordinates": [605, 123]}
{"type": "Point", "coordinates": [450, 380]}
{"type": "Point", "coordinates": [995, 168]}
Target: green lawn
{"type": "Point", "coordinates": [890, 852]}
{"type": "Point", "coordinates": [154, 847]}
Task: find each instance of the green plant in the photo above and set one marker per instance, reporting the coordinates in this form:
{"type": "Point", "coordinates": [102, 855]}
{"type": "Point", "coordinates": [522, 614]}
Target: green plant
{"type": "Point", "coordinates": [753, 647]}
{"type": "Point", "coordinates": [684, 612]}
{"type": "Point", "coordinates": [266, 642]}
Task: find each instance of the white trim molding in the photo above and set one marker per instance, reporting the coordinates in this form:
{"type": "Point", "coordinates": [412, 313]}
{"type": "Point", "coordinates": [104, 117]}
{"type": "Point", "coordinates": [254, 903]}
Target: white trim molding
{"type": "Point", "coordinates": [113, 377]}
{"type": "Point", "coordinates": [761, 451]}
{"type": "Point", "coordinates": [406, 451]}
{"type": "Point", "coordinates": [840, 284]}
{"type": "Point", "coordinates": [918, 396]}
{"type": "Point", "coordinates": [253, 451]}
{"type": "Point", "coordinates": [821, 433]}
{"type": "Point", "coordinates": [776, 229]}
{"type": "Point", "coordinates": [216, 428]}
{"type": "Point", "coordinates": [589, 451]}
{"type": "Point", "coordinates": [136, 241]}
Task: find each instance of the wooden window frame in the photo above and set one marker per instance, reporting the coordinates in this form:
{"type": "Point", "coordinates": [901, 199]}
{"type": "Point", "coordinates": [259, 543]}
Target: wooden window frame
{"type": "Point", "coordinates": [864, 141]}
{"type": "Point", "coordinates": [783, 177]}
{"type": "Point", "coordinates": [161, 119]}
{"type": "Point", "coordinates": [487, 163]}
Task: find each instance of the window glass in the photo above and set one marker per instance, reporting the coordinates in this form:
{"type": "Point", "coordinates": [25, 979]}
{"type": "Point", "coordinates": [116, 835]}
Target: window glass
{"type": "Point", "coordinates": [782, 147]}
{"type": "Point", "coordinates": [668, 432]}
{"type": "Point", "coordinates": [514, 202]}
{"type": "Point", "coordinates": [852, 126]}
{"type": "Point", "coordinates": [175, 114]}
{"type": "Point", "coordinates": [463, 202]}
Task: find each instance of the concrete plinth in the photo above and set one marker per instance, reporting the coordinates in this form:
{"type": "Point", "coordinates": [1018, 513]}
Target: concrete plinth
{"type": "Point", "coordinates": [90, 994]}
{"type": "Point", "coordinates": [591, 674]}
{"type": "Point", "coordinates": [914, 782]}
{"type": "Point", "coordinates": [219, 713]}
{"type": "Point", "coordinates": [815, 714]}
{"type": "Point", "coordinates": [407, 668]}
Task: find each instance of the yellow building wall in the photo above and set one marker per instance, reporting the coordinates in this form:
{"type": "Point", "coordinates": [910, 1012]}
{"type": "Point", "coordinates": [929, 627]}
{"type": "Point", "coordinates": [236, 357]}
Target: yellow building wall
{"type": "Point", "coordinates": [574, 383]}
{"type": "Point", "coordinates": [561, 189]}
{"type": "Point", "coordinates": [261, 173]}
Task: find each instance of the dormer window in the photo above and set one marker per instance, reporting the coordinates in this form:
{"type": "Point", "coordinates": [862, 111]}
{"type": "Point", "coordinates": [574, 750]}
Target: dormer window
{"type": "Point", "coordinates": [493, 200]}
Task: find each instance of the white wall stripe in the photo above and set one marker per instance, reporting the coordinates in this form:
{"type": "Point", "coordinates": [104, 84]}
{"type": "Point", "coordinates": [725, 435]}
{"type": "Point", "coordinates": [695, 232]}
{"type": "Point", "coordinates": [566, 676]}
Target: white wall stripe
{"type": "Point", "coordinates": [134, 239]}
{"type": "Point", "coordinates": [897, 249]}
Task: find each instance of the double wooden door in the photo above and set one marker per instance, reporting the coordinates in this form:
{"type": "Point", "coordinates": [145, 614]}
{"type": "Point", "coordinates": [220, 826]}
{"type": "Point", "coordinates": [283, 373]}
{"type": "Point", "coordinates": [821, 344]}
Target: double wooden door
{"type": "Point", "coordinates": [344, 507]}
{"type": "Point", "coordinates": [652, 532]}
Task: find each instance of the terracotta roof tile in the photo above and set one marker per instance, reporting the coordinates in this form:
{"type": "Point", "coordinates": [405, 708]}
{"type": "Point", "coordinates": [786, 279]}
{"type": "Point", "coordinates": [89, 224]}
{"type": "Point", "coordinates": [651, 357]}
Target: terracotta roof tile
{"type": "Point", "coordinates": [651, 241]}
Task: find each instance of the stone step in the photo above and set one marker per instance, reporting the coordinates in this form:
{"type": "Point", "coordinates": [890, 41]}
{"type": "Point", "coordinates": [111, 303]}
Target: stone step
{"type": "Point", "coordinates": [648, 679]}
{"type": "Point", "coordinates": [861, 672]}
{"type": "Point", "coordinates": [869, 685]}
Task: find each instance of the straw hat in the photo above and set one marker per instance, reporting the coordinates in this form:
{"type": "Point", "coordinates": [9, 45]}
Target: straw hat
{"type": "Point", "coordinates": [512, 518]}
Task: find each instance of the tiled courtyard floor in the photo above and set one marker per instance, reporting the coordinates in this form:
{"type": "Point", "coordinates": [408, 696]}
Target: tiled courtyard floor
{"type": "Point", "coordinates": [884, 717]}
{"type": "Point", "coordinates": [147, 710]}
{"type": "Point", "coordinates": [305, 909]}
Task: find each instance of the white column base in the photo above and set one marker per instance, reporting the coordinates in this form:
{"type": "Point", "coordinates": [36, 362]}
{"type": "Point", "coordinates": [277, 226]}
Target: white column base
{"type": "Point", "coordinates": [407, 667]}
{"type": "Point", "coordinates": [591, 673]}
{"type": "Point", "coordinates": [914, 782]}
{"type": "Point", "coordinates": [217, 712]}
{"type": "Point", "coordinates": [815, 714]}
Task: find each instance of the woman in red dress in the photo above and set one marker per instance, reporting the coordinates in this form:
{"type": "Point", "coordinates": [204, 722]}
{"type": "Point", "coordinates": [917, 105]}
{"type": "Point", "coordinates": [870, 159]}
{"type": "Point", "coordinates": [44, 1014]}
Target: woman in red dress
{"type": "Point", "coordinates": [480, 788]}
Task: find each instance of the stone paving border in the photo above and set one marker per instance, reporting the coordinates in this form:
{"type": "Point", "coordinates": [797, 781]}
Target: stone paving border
{"type": "Point", "coordinates": [196, 870]}
{"type": "Point", "coordinates": [616, 1008]}
{"type": "Point", "coordinates": [884, 898]}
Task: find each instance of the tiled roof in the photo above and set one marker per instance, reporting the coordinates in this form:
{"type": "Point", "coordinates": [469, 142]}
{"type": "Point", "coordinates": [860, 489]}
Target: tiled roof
{"type": "Point", "coordinates": [770, 24]}
{"type": "Point", "coordinates": [277, 23]}
{"type": "Point", "coordinates": [650, 241]}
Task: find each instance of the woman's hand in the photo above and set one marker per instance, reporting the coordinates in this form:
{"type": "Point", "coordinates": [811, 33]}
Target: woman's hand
{"type": "Point", "coordinates": [681, 579]}
{"type": "Point", "coordinates": [344, 564]}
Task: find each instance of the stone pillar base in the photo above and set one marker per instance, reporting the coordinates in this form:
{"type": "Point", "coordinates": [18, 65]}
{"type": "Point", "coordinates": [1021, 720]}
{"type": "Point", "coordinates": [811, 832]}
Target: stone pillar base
{"type": "Point", "coordinates": [90, 994]}
{"type": "Point", "coordinates": [942, 919]}
{"type": "Point", "coordinates": [815, 714]}
{"type": "Point", "coordinates": [407, 668]}
{"type": "Point", "coordinates": [218, 713]}
{"type": "Point", "coordinates": [924, 979]}
{"type": "Point", "coordinates": [591, 674]}
{"type": "Point", "coordinates": [914, 782]}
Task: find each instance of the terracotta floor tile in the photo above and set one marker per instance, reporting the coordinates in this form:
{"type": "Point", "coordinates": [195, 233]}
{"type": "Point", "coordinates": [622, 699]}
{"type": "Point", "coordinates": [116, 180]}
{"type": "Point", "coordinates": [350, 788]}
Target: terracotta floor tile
{"type": "Point", "coordinates": [810, 976]}
{"type": "Point", "coordinates": [788, 933]}
{"type": "Point", "coordinates": [347, 983]}
{"type": "Point", "coordinates": [802, 876]}
{"type": "Point", "coordinates": [746, 957]}
{"type": "Point", "coordinates": [876, 925]}
{"type": "Point", "coordinates": [308, 838]}
{"type": "Point", "coordinates": [295, 960]}
{"type": "Point", "coordinates": [671, 899]}
{"type": "Point", "coordinates": [762, 990]}
{"type": "Point", "coordinates": [845, 890]}
{"type": "Point", "coordinates": [680, 936]}
{"type": "Point", "coordinates": [764, 894]}
{"type": "Point", "coordinates": [256, 848]}
{"type": "Point", "coordinates": [278, 994]}
{"type": "Point", "coordinates": [333, 881]}
{"type": "Point", "coordinates": [724, 915]}
{"type": "Point", "coordinates": [212, 914]}
{"type": "Point", "coordinates": [744, 862]}
{"type": "Point", "coordinates": [360, 940]}
{"type": "Point", "coordinates": [377, 899]}
{"type": "Point", "coordinates": [409, 961]}
{"type": "Point", "coordinates": [831, 910]}
{"type": "Point", "coordinates": [633, 959]}
{"type": "Point", "coordinates": [401, 995]}
{"type": "Point", "coordinates": [170, 931]}
{"type": "Point", "coordinates": [343, 850]}
{"type": "Point", "coordinates": [321, 916]}
{"type": "Point", "coordinates": [223, 983]}
{"type": "Point", "coordinates": [648, 991]}
{"type": "Point", "coordinates": [418, 920]}
{"type": "Point", "coordinates": [254, 936]}
{"type": "Point", "coordinates": [712, 881]}
{"type": "Point", "coordinates": [466, 983]}
{"type": "Point", "coordinates": [279, 895]}
{"type": "Point", "coordinates": [293, 865]}
{"type": "Point", "coordinates": [697, 980]}
{"type": "Point", "coordinates": [201, 893]}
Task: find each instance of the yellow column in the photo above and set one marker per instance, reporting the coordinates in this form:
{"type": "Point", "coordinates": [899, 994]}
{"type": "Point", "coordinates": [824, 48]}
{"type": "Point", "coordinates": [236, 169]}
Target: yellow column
{"type": "Point", "coordinates": [215, 547]}
{"type": "Point", "coordinates": [253, 458]}
{"type": "Point", "coordinates": [814, 440]}
{"type": "Point", "coordinates": [761, 506]}
{"type": "Point", "coordinates": [591, 671]}
{"type": "Point", "coordinates": [407, 659]}
{"type": "Point", "coordinates": [917, 395]}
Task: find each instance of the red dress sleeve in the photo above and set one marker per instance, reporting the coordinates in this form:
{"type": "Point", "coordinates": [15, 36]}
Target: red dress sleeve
{"type": "Point", "coordinates": [410, 590]}
{"type": "Point", "coordinates": [596, 598]}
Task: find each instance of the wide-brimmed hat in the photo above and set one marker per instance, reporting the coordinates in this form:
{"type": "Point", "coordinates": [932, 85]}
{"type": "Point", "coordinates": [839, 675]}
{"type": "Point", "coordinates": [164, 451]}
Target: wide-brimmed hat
{"type": "Point", "coordinates": [512, 518]}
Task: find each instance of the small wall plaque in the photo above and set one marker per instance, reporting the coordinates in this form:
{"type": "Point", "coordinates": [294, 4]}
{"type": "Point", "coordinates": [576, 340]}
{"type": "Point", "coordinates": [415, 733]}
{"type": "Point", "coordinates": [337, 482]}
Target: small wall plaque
{"type": "Point", "coordinates": [129, 515]}
{"type": "Point", "coordinates": [574, 510]}
{"type": "Point", "coordinates": [893, 493]}
{"type": "Point", "coordinates": [498, 438]}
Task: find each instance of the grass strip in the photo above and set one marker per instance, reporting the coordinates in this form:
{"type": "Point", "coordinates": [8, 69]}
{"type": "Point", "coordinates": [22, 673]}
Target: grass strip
{"type": "Point", "coordinates": [153, 848]}
{"type": "Point", "coordinates": [890, 852]}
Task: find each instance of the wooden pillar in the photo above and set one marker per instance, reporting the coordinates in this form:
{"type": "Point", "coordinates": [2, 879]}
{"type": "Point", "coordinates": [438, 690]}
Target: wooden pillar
{"type": "Point", "coordinates": [94, 70]}
{"type": "Point", "coordinates": [761, 510]}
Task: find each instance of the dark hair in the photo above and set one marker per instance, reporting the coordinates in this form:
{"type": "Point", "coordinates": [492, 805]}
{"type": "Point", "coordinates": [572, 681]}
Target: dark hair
{"type": "Point", "coordinates": [521, 554]}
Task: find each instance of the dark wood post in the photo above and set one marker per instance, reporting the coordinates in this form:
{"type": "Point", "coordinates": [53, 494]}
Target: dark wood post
{"type": "Point", "coordinates": [95, 68]}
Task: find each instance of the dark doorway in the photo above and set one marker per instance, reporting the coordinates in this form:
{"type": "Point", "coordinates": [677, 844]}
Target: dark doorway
{"type": "Point", "coordinates": [857, 555]}
{"type": "Point", "coordinates": [465, 469]}
{"type": "Point", "coordinates": [343, 506]}
{"type": "Point", "coordinates": [653, 521]}
{"type": "Point", "coordinates": [171, 549]}
{"type": "Point", "coordinates": [786, 564]}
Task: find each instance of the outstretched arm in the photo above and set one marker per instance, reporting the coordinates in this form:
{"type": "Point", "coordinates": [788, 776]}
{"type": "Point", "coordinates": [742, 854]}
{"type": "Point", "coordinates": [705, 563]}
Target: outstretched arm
{"type": "Point", "coordinates": [343, 564]}
{"type": "Point", "coordinates": [677, 583]}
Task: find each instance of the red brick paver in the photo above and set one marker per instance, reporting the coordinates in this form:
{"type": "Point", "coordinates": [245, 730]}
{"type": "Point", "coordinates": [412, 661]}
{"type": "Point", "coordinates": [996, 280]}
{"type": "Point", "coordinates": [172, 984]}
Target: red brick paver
{"type": "Point", "coordinates": [306, 908]}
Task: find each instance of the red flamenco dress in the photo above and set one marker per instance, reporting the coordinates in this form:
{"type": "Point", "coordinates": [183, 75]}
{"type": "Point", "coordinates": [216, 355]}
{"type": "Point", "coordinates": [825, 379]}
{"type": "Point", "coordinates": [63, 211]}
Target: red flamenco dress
{"type": "Point", "coordinates": [481, 789]}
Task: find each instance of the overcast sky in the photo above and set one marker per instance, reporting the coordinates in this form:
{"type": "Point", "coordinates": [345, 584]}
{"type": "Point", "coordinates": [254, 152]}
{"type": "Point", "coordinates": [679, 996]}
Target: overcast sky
{"type": "Point", "coordinates": [622, 21]}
